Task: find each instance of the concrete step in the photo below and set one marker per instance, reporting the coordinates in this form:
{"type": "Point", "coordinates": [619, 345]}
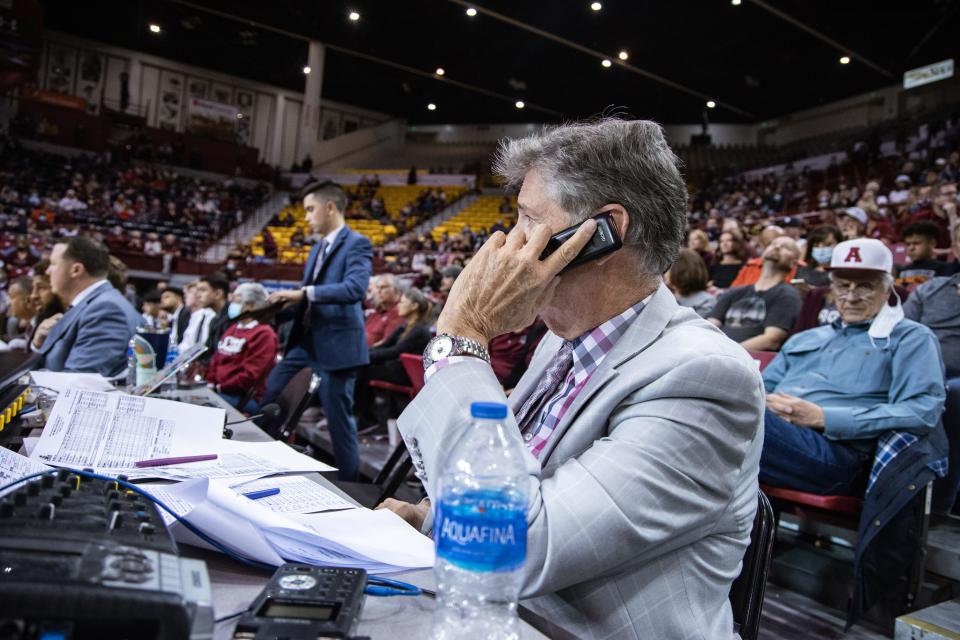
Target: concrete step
{"type": "Point", "coordinates": [939, 622]}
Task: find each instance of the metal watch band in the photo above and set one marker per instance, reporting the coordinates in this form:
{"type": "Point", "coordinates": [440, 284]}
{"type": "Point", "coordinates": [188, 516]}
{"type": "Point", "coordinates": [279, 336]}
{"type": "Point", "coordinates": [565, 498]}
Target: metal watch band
{"type": "Point", "coordinates": [466, 346]}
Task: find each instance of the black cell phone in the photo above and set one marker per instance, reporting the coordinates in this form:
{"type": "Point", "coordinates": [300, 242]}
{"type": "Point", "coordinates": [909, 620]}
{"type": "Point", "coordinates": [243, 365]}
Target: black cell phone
{"type": "Point", "coordinates": [605, 240]}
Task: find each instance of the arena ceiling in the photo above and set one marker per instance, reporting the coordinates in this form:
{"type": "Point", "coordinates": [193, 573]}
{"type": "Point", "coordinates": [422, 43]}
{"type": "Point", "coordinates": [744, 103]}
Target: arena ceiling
{"type": "Point", "coordinates": [757, 59]}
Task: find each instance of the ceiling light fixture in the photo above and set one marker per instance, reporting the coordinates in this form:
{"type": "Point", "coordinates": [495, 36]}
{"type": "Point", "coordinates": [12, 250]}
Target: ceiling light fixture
{"type": "Point", "coordinates": [306, 71]}
{"type": "Point", "coordinates": [353, 16]}
{"type": "Point", "coordinates": [735, 3]}
{"type": "Point", "coordinates": [623, 55]}
{"type": "Point", "coordinates": [440, 71]}
{"type": "Point", "coordinates": [606, 63]}
{"type": "Point", "coordinates": [596, 6]}
{"type": "Point", "coordinates": [431, 107]}
{"type": "Point", "coordinates": [471, 11]}
{"type": "Point", "coordinates": [154, 28]}
{"type": "Point", "coordinates": [844, 59]}
{"type": "Point", "coordinates": [519, 104]}
{"type": "Point", "coordinates": [711, 104]}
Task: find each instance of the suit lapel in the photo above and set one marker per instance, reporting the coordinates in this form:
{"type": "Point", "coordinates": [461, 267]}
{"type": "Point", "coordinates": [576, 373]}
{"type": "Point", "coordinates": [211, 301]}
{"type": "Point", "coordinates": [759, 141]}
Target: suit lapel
{"type": "Point", "coordinates": [70, 317]}
{"type": "Point", "coordinates": [311, 261]}
{"type": "Point", "coordinates": [528, 382]}
{"type": "Point", "coordinates": [644, 330]}
{"type": "Point", "coordinates": [337, 243]}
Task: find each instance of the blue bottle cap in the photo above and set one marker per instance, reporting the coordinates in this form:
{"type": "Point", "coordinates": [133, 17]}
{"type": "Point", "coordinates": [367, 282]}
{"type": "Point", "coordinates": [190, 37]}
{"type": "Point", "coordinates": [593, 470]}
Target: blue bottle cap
{"type": "Point", "coordinates": [488, 410]}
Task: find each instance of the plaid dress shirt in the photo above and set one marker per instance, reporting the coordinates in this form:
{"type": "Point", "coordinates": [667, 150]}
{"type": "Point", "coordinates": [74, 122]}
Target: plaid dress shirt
{"type": "Point", "coordinates": [589, 350]}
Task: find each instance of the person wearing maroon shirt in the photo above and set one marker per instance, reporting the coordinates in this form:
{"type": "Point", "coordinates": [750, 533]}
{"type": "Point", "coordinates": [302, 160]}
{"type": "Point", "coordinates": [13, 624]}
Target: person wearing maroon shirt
{"type": "Point", "coordinates": [384, 320]}
{"type": "Point", "coordinates": [247, 351]}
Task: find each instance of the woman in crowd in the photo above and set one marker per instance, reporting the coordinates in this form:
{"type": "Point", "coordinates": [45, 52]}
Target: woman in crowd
{"type": "Point", "coordinates": [411, 337]}
{"type": "Point", "coordinates": [820, 245]}
{"type": "Point", "coordinates": [699, 242]}
{"type": "Point", "coordinates": [687, 278]}
{"type": "Point", "coordinates": [731, 254]}
{"type": "Point", "coordinates": [247, 351]}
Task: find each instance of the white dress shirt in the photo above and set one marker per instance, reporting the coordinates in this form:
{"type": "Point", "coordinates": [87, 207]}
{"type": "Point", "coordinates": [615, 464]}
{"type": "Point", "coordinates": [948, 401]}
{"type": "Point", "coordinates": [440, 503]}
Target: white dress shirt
{"type": "Point", "coordinates": [330, 238]}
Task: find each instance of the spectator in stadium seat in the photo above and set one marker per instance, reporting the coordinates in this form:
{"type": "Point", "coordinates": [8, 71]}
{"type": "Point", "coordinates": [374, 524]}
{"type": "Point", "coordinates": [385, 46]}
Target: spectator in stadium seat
{"type": "Point", "coordinates": [698, 241]}
{"type": "Point", "coordinates": [93, 333]}
{"type": "Point", "coordinates": [687, 278]}
{"type": "Point", "coordinates": [213, 292]}
{"type": "Point", "coordinates": [852, 222]}
{"type": "Point", "coordinates": [172, 301]}
{"type": "Point", "coordinates": [936, 304]}
{"type": "Point", "coordinates": [247, 351]}
{"type": "Point", "coordinates": [820, 244]}
{"type": "Point", "coordinates": [410, 337]}
{"type": "Point", "coordinates": [153, 314]}
{"type": "Point", "coordinates": [902, 191]}
{"type": "Point", "coordinates": [44, 301]}
{"type": "Point", "coordinates": [833, 390]}
{"type": "Point", "coordinates": [198, 329]}
{"type": "Point", "coordinates": [731, 254]}
{"type": "Point", "coordinates": [448, 275]}
{"type": "Point", "coordinates": [794, 228]}
{"type": "Point", "coordinates": [921, 239]}
{"type": "Point", "coordinates": [385, 318]}
{"type": "Point", "coordinates": [751, 271]}
{"type": "Point", "coordinates": [759, 316]}
{"type": "Point", "coordinates": [20, 314]}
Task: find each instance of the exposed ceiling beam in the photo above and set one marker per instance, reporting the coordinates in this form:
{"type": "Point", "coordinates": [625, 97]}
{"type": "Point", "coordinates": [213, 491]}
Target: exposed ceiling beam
{"type": "Point", "coordinates": [364, 56]}
{"type": "Point", "coordinates": [766, 6]}
{"type": "Point", "coordinates": [599, 55]}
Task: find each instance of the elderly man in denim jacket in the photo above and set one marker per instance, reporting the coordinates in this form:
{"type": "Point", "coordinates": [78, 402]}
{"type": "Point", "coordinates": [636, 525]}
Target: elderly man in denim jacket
{"type": "Point", "coordinates": [834, 390]}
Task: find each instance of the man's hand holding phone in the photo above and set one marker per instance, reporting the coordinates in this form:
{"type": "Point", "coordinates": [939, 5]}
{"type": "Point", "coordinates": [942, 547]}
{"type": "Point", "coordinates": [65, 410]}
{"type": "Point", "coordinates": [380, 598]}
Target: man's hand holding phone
{"type": "Point", "coordinates": [506, 283]}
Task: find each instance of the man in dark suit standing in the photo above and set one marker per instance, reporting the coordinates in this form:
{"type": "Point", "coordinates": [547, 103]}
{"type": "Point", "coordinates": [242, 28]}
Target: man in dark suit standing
{"type": "Point", "coordinates": [328, 332]}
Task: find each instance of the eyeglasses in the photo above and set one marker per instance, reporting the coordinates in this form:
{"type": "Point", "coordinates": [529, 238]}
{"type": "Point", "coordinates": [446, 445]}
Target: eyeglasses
{"type": "Point", "coordinates": [844, 289]}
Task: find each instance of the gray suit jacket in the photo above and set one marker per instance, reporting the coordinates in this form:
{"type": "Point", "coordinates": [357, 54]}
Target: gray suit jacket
{"type": "Point", "coordinates": [92, 336]}
{"type": "Point", "coordinates": [643, 500]}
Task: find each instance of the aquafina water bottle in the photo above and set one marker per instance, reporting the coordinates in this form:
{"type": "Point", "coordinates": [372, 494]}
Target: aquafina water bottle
{"type": "Point", "coordinates": [480, 528]}
{"type": "Point", "coordinates": [132, 363]}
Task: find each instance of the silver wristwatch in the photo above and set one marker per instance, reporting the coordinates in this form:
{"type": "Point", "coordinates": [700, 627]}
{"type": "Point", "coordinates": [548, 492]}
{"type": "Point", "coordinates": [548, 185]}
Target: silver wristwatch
{"type": "Point", "coordinates": [445, 345]}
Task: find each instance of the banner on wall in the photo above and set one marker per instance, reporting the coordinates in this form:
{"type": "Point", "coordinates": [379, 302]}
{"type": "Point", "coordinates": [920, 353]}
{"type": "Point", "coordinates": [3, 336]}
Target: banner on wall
{"type": "Point", "coordinates": [54, 98]}
{"type": "Point", "coordinates": [213, 119]}
{"type": "Point", "coordinates": [930, 73]}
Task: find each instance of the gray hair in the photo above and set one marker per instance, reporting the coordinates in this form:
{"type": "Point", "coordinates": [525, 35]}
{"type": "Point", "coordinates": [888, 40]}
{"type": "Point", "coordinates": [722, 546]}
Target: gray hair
{"type": "Point", "coordinates": [251, 292]}
{"type": "Point", "coordinates": [589, 164]}
{"type": "Point", "coordinates": [392, 281]}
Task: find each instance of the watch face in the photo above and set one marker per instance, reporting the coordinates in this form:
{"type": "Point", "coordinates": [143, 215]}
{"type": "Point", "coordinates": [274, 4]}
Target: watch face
{"type": "Point", "coordinates": [298, 583]}
{"type": "Point", "coordinates": [440, 348]}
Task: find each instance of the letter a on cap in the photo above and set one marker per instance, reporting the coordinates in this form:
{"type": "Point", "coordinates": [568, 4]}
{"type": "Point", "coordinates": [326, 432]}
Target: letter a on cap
{"type": "Point", "coordinates": [853, 255]}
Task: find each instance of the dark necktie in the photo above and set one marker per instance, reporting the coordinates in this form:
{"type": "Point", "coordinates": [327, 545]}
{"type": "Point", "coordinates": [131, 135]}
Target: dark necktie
{"type": "Point", "coordinates": [553, 377]}
{"type": "Point", "coordinates": [317, 266]}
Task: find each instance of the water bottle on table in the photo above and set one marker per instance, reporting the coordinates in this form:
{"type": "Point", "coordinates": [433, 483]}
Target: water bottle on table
{"type": "Point", "coordinates": [480, 530]}
{"type": "Point", "coordinates": [170, 384]}
{"type": "Point", "coordinates": [132, 363]}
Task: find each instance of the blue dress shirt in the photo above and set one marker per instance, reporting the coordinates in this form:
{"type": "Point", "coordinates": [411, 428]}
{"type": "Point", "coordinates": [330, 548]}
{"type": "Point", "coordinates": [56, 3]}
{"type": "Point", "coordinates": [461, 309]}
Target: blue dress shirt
{"type": "Point", "coordinates": [864, 388]}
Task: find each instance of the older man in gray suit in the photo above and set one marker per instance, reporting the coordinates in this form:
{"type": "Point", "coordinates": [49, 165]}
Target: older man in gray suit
{"type": "Point", "coordinates": [642, 421]}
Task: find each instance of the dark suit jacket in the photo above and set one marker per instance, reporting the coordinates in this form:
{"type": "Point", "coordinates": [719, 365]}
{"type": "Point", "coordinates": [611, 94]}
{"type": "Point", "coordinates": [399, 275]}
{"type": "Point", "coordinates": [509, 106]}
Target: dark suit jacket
{"type": "Point", "coordinates": [92, 336]}
{"type": "Point", "coordinates": [182, 320]}
{"type": "Point", "coordinates": [336, 329]}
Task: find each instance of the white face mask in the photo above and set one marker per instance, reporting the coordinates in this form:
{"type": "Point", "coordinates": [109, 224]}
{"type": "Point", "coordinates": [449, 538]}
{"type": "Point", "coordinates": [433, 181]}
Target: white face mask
{"type": "Point", "coordinates": [884, 322]}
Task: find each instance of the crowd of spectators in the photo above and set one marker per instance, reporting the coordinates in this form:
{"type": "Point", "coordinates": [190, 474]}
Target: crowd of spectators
{"type": "Point", "coordinates": [132, 207]}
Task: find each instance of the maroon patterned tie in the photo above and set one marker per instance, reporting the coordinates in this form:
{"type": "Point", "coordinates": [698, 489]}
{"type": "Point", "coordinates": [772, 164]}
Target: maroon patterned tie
{"type": "Point", "coordinates": [554, 375]}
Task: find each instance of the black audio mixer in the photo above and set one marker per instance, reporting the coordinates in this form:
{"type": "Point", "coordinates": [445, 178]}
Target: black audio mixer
{"type": "Point", "coordinates": [86, 558]}
{"type": "Point", "coordinates": [67, 505]}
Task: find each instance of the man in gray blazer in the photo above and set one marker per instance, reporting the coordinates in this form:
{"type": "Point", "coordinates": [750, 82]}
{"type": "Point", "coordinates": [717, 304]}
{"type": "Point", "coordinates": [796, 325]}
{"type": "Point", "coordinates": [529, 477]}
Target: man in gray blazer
{"type": "Point", "coordinates": [643, 422]}
{"type": "Point", "coordinates": [93, 333]}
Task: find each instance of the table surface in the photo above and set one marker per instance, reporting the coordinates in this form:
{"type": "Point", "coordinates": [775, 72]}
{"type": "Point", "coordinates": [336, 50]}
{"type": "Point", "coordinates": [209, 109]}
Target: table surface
{"type": "Point", "coordinates": [236, 585]}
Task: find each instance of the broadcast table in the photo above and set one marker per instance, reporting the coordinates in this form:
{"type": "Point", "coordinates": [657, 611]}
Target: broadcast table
{"type": "Point", "coordinates": [235, 585]}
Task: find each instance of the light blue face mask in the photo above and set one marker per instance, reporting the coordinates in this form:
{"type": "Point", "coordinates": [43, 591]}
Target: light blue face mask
{"type": "Point", "coordinates": [822, 254]}
{"type": "Point", "coordinates": [234, 309]}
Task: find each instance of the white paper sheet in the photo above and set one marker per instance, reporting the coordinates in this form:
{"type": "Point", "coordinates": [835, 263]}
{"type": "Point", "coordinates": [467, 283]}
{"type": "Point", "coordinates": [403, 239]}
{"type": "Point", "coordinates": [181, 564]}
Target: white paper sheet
{"type": "Point", "coordinates": [111, 431]}
{"type": "Point", "coordinates": [297, 495]}
{"type": "Point", "coordinates": [60, 381]}
{"type": "Point", "coordinates": [14, 466]}
{"type": "Point", "coordinates": [377, 541]}
{"type": "Point", "coordinates": [245, 460]}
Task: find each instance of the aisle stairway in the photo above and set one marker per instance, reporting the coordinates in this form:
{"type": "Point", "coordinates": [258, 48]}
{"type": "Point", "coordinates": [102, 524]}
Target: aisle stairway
{"type": "Point", "coordinates": [243, 234]}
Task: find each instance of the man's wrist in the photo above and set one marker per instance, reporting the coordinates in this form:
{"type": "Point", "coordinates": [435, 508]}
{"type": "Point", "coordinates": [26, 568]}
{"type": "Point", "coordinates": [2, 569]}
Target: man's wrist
{"type": "Point", "coordinates": [454, 328]}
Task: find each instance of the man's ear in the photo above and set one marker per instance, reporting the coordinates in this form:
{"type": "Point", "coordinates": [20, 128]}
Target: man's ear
{"type": "Point", "coordinates": [77, 270]}
{"type": "Point", "coordinates": [621, 221]}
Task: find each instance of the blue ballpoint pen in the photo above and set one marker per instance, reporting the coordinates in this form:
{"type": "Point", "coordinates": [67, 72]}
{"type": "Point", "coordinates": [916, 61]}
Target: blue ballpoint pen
{"type": "Point", "coordinates": [263, 493]}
